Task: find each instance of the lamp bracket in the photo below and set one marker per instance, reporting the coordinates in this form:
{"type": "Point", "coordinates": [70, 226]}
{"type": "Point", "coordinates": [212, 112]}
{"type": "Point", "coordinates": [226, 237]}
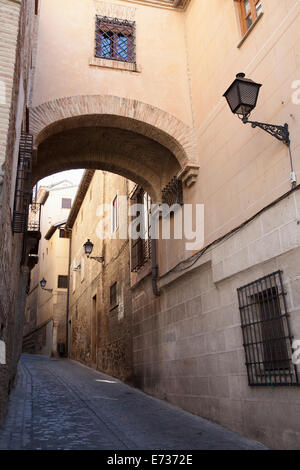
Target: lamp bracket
{"type": "Point", "coordinates": [48, 290]}
{"type": "Point", "coordinates": [279, 132]}
{"type": "Point", "coordinates": [100, 259]}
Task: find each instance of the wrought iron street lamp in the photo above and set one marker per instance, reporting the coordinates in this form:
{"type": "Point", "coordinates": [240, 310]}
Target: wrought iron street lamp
{"type": "Point", "coordinates": [242, 97]}
{"type": "Point", "coordinates": [88, 249]}
{"type": "Point", "coordinates": [43, 284]}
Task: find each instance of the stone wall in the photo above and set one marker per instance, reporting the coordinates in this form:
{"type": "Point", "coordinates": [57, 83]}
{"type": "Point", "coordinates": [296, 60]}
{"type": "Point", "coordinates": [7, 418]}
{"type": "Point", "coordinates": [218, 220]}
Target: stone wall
{"type": "Point", "coordinates": [100, 333]}
{"type": "Point", "coordinates": [188, 345]}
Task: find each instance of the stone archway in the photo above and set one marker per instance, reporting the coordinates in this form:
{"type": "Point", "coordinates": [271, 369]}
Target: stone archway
{"type": "Point", "coordinates": [133, 139]}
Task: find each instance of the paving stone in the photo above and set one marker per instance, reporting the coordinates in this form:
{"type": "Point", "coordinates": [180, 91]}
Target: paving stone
{"type": "Point", "coordinates": [60, 404]}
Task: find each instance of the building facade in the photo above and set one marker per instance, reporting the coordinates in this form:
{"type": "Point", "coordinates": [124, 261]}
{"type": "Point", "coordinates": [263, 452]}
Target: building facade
{"type": "Point", "coordinates": [18, 25]}
{"type": "Point", "coordinates": [141, 96]}
{"type": "Point", "coordinates": [45, 312]}
{"type": "Point", "coordinates": [100, 310]}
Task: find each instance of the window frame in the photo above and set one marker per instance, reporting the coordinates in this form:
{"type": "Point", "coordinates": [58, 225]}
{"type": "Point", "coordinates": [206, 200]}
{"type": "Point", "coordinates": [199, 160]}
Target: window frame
{"type": "Point", "coordinates": [66, 199]}
{"type": "Point", "coordinates": [59, 278]}
{"type": "Point", "coordinates": [244, 16]}
{"type": "Point", "coordinates": [114, 27]}
{"type": "Point", "coordinates": [267, 338]}
{"type": "Point", "coordinates": [141, 249]}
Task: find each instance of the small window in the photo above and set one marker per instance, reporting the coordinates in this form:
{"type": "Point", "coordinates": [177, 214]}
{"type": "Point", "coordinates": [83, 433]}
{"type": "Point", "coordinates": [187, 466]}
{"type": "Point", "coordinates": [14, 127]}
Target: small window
{"type": "Point", "coordinates": [114, 216]}
{"type": "Point", "coordinates": [66, 203]}
{"type": "Point", "coordinates": [141, 247]}
{"type": "Point", "coordinates": [115, 39]}
{"type": "Point", "coordinates": [249, 10]}
{"type": "Point", "coordinates": [63, 233]}
{"type": "Point", "coordinates": [113, 295]}
{"type": "Point", "coordinates": [62, 282]}
{"type": "Point", "coordinates": [266, 332]}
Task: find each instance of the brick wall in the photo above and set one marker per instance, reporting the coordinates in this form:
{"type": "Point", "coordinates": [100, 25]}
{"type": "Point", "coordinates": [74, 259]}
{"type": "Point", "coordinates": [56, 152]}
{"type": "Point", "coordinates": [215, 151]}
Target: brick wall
{"type": "Point", "coordinates": [16, 23]}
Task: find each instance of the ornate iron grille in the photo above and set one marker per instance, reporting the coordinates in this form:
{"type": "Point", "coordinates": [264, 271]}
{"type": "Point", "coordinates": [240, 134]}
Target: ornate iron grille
{"type": "Point", "coordinates": [142, 247]}
{"type": "Point", "coordinates": [172, 193]}
{"type": "Point", "coordinates": [115, 39]}
{"type": "Point", "coordinates": [266, 332]}
{"type": "Point", "coordinates": [34, 218]}
{"type": "Point", "coordinates": [23, 184]}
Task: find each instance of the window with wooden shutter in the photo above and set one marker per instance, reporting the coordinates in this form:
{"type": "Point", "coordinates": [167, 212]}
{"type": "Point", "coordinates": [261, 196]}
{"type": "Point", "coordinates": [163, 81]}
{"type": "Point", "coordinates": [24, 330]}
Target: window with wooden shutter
{"type": "Point", "coordinates": [141, 247]}
{"type": "Point", "coordinates": [249, 10]}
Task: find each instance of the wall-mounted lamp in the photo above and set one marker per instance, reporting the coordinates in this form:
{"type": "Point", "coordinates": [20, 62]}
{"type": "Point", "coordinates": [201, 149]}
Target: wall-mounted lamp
{"type": "Point", "coordinates": [242, 97]}
{"type": "Point", "coordinates": [43, 284]}
{"type": "Point", "coordinates": [88, 249]}
{"type": "Point", "coordinates": [78, 268]}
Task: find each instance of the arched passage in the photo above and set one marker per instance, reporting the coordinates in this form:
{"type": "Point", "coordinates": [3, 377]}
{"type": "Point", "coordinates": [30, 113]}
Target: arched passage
{"type": "Point", "coordinates": [133, 139]}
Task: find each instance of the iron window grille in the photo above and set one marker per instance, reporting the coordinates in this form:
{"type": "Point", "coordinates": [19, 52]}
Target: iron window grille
{"type": "Point", "coordinates": [141, 247]}
{"type": "Point", "coordinates": [23, 190]}
{"type": "Point", "coordinates": [115, 39]}
{"type": "Point", "coordinates": [266, 332]}
{"type": "Point", "coordinates": [62, 282]}
{"type": "Point", "coordinates": [172, 193]}
{"type": "Point", "coordinates": [113, 295]}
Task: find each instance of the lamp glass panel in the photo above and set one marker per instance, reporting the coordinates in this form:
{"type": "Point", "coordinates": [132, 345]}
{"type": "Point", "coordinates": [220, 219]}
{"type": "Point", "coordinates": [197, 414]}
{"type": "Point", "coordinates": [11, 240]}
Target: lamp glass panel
{"type": "Point", "coordinates": [233, 97]}
{"type": "Point", "coordinates": [248, 92]}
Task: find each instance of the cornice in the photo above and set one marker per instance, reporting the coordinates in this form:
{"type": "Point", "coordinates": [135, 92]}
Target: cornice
{"type": "Point", "coordinates": [179, 5]}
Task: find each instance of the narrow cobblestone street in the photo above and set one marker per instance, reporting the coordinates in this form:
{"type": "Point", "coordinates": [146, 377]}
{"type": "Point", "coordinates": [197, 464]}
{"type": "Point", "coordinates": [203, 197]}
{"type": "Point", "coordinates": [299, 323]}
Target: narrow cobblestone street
{"type": "Point", "coordinates": [59, 404]}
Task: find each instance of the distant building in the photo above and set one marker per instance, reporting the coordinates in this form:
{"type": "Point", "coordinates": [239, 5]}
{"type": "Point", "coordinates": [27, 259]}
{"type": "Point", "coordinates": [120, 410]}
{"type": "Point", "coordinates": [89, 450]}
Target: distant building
{"type": "Point", "coordinates": [45, 313]}
{"type": "Point", "coordinates": [100, 310]}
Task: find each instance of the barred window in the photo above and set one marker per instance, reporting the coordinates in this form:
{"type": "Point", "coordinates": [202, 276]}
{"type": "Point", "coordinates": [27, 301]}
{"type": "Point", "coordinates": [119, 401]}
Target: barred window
{"type": "Point", "coordinates": [249, 10]}
{"type": "Point", "coordinates": [115, 39]}
{"type": "Point", "coordinates": [266, 332]}
{"type": "Point", "coordinates": [141, 247]}
{"type": "Point", "coordinates": [62, 282]}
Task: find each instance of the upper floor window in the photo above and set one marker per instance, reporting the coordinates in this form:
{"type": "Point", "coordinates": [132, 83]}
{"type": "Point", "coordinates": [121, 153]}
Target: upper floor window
{"type": "Point", "coordinates": [66, 203]}
{"type": "Point", "coordinates": [249, 11]}
{"type": "Point", "coordinates": [115, 39]}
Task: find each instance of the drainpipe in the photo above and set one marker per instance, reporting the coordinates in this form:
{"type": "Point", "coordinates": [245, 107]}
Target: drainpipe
{"type": "Point", "coordinates": [155, 289]}
{"type": "Point", "coordinates": [68, 292]}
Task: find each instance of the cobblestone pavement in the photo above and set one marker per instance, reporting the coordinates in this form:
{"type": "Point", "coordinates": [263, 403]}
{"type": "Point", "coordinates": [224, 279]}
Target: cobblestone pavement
{"type": "Point", "coordinates": [60, 404]}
